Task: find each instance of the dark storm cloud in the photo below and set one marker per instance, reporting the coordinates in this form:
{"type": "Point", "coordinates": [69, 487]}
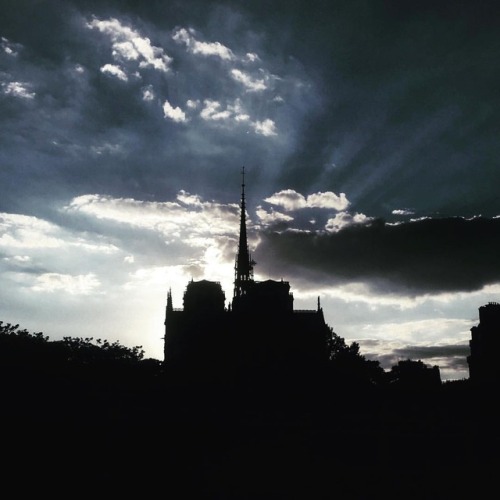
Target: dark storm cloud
{"type": "Point", "coordinates": [429, 352]}
{"type": "Point", "coordinates": [449, 358]}
{"type": "Point", "coordinates": [424, 256]}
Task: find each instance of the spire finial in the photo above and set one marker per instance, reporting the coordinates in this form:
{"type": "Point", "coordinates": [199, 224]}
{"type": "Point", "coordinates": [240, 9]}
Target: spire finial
{"type": "Point", "coordinates": [244, 265]}
{"type": "Point", "coordinates": [242, 184]}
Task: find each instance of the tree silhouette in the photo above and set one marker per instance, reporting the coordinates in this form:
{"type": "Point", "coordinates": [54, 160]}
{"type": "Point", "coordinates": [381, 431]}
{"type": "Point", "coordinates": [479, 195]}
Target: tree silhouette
{"type": "Point", "coordinates": [412, 374]}
{"type": "Point", "coordinates": [348, 363]}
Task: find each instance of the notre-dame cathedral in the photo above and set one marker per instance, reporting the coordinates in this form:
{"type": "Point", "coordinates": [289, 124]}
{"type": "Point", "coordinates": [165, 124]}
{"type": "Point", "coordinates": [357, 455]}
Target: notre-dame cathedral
{"type": "Point", "coordinates": [259, 330]}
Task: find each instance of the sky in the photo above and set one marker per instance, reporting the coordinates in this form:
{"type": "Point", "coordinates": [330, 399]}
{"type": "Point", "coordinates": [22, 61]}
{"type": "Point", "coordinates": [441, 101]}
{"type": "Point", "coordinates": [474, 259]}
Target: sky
{"type": "Point", "coordinates": [368, 130]}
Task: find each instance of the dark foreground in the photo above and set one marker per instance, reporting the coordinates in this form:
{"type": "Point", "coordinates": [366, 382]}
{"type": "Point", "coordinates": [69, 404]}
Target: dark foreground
{"type": "Point", "coordinates": [169, 437]}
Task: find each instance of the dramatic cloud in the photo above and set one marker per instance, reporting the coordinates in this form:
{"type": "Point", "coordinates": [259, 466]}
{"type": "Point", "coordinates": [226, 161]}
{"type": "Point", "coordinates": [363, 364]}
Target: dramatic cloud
{"type": "Point", "coordinates": [129, 45]}
{"type": "Point", "coordinates": [425, 256]}
{"type": "Point", "coordinates": [402, 212]}
{"type": "Point", "coordinates": [175, 114]}
{"type": "Point", "coordinates": [148, 93]}
{"type": "Point", "coordinates": [345, 219]}
{"type": "Point", "coordinates": [115, 70]}
{"type": "Point", "coordinates": [272, 217]}
{"type": "Point", "coordinates": [212, 110]}
{"type": "Point", "coordinates": [251, 84]}
{"type": "Point", "coordinates": [183, 36]}
{"type": "Point", "coordinates": [266, 127]}
{"type": "Point", "coordinates": [289, 199]}
{"type": "Point", "coordinates": [328, 200]}
{"type": "Point", "coordinates": [192, 219]}
{"type": "Point", "coordinates": [18, 89]}
{"type": "Point", "coordinates": [12, 49]}
{"type": "Point", "coordinates": [26, 232]}
{"type": "Point", "coordinates": [74, 285]}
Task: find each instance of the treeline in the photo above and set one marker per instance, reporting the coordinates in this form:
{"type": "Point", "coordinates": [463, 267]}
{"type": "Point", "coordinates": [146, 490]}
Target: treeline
{"type": "Point", "coordinates": [21, 350]}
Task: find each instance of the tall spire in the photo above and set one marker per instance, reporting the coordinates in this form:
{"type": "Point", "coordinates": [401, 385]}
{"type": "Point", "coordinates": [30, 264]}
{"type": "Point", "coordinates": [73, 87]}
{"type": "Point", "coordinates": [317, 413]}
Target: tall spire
{"type": "Point", "coordinates": [243, 269]}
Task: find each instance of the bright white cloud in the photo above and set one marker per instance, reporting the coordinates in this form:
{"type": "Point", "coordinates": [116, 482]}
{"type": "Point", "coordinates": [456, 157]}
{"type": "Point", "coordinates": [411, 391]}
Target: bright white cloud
{"type": "Point", "coordinates": [23, 231]}
{"type": "Point", "coordinates": [402, 212]}
{"type": "Point", "coordinates": [83, 284]}
{"type": "Point", "coordinates": [193, 219]}
{"type": "Point", "coordinates": [251, 84]}
{"type": "Point", "coordinates": [18, 89]}
{"type": "Point", "coordinates": [183, 36]}
{"type": "Point", "coordinates": [27, 232]}
{"type": "Point", "coordinates": [212, 110]}
{"type": "Point", "coordinates": [129, 45]}
{"type": "Point", "coordinates": [243, 117]}
{"type": "Point", "coordinates": [289, 199]}
{"type": "Point", "coordinates": [114, 70]}
{"type": "Point", "coordinates": [251, 57]}
{"type": "Point", "coordinates": [189, 199]}
{"type": "Point", "coordinates": [328, 200]}
{"type": "Point", "coordinates": [266, 127]}
{"type": "Point", "coordinates": [419, 332]}
{"type": "Point", "coordinates": [272, 217]}
{"type": "Point", "coordinates": [192, 104]}
{"type": "Point", "coordinates": [175, 114]}
{"type": "Point", "coordinates": [345, 219]}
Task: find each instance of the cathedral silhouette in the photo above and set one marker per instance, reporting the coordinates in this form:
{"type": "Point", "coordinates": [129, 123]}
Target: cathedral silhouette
{"type": "Point", "coordinates": [259, 329]}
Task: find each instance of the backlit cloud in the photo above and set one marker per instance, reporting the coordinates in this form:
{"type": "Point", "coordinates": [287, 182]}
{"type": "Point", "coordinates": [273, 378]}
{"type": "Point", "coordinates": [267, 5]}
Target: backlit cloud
{"type": "Point", "coordinates": [129, 45]}
{"type": "Point", "coordinates": [272, 217]}
{"type": "Point", "coordinates": [290, 199]}
{"type": "Point", "coordinates": [183, 36]}
{"type": "Point", "coordinates": [175, 114]}
{"type": "Point", "coordinates": [10, 48]}
{"type": "Point", "coordinates": [74, 285]}
{"type": "Point", "coordinates": [18, 89]}
{"type": "Point", "coordinates": [115, 70]}
{"type": "Point", "coordinates": [328, 200]}
{"type": "Point", "coordinates": [345, 219]}
{"type": "Point", "coordinates": [148, 93]}
{"type": "Point", "coordinates": [212, 110]}
{"type": "Point", "coordinates": [403, 211]}
{"type": "Point", "coordinates": [191, 217]}
{"type": "Point", "coordinates": [19, 231]}
{"type": "Point", "coordinates": [251, 84]}
{"type": "Point", "coordinates": [266, 127]}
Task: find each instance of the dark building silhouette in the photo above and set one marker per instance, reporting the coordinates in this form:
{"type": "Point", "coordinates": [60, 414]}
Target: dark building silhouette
{"type": "Point", "coordinates": [259, 329]}
{"type": "Point", "coordinates": [410, 374]}
{"type": "Point", "coordinates": [485, 345]}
